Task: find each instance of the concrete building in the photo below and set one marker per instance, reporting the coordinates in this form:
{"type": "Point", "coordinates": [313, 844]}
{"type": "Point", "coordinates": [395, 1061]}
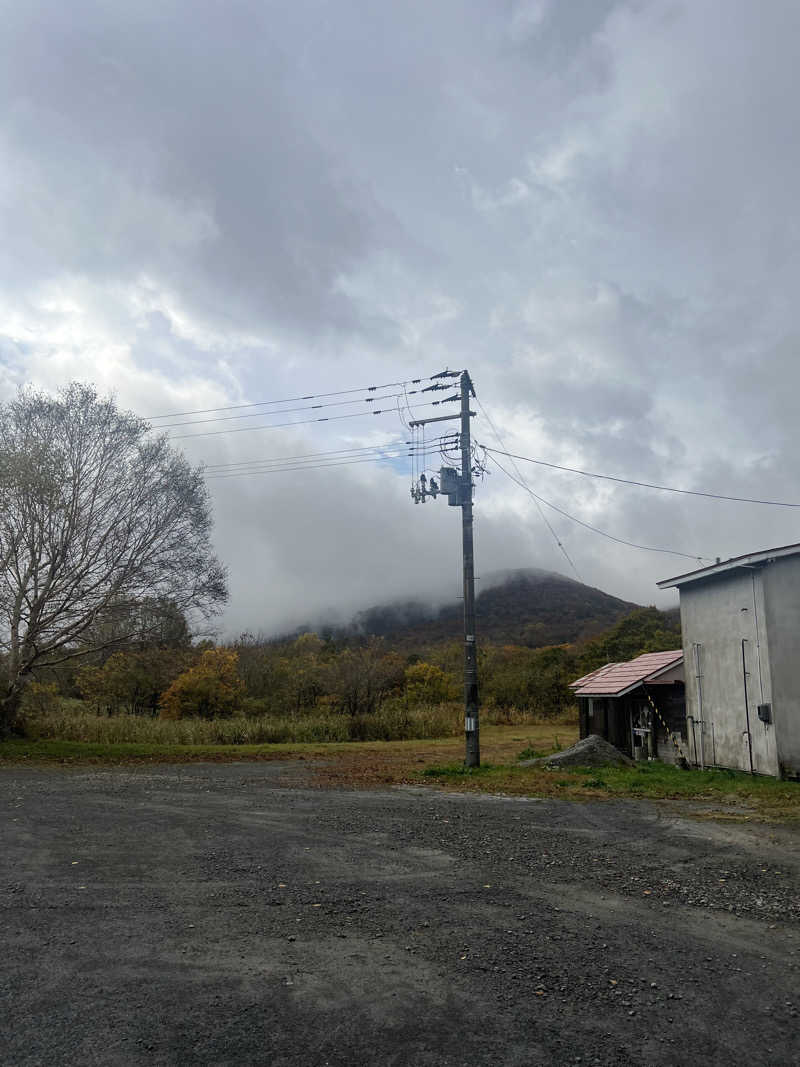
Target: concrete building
{"type": "Point", "coordinates": [638, 706]}
{"type": "Point", "coordinates": [741, 644]}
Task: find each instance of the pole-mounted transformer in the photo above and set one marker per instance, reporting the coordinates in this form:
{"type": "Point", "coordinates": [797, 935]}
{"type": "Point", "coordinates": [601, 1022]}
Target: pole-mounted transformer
{"type": "Point", "coordinates": [450, 486]}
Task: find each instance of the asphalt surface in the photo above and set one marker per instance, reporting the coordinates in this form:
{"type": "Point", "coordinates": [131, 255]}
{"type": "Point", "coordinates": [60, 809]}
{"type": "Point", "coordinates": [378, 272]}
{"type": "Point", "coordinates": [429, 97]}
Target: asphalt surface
{"type": "Point", "coordinates": [230, 914]}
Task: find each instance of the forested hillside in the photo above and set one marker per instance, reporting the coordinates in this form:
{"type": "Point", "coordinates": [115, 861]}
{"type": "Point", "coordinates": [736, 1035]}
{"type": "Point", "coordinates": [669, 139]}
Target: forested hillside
{"type": "Point", "coordinates": [530, 608]}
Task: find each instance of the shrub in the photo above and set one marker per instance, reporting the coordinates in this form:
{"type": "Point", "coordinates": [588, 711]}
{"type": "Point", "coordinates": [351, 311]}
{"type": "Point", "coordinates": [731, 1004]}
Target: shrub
{"type": "Point", "coordinates": [426, 683]}
{"type": "Point", "coordinates": [210, 689]}
{"type": "Point", "coordinates": [358, 679]}
{"type": "Point", "coordinates": [41, 698]}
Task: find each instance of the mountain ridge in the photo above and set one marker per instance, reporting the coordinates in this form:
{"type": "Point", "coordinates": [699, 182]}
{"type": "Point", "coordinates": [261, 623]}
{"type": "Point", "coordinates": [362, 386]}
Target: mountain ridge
{"type": "Point", "coordinates": [521, 606]}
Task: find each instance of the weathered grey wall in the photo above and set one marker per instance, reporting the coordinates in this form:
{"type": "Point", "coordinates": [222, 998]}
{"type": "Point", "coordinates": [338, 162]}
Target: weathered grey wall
{"type": "Point", "coordinates": [781, 581]}
{"type": "Point", "coordinates": [717, 614]}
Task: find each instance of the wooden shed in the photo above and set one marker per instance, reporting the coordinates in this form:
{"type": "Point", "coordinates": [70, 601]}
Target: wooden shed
{"type": "Point", "coordinates": [639, 706]}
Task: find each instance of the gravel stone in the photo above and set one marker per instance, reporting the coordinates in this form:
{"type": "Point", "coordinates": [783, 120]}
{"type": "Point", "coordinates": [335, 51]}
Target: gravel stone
{"type": "Point", "coordinates": [235, 915]}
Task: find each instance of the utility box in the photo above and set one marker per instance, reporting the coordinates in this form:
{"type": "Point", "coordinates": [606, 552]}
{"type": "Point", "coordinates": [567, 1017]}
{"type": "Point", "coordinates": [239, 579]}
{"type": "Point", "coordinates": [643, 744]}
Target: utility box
{"type": "Point", "coordinates": [450, 485]}
{"type": "Point", "coordinates": [765, 712]}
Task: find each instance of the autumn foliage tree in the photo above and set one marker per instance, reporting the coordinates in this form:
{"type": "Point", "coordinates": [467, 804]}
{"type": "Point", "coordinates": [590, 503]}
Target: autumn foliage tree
{"type": "Point", "coordinates": [358, 678]}
{"type": "Point", "coordinates": [97, 515]}
{"type": "Point", "coordinates": [132, 681]}
{"type": "Point", "coordinates": [425, 683]}
{"type": "Point", "coordinates": [210, 689]}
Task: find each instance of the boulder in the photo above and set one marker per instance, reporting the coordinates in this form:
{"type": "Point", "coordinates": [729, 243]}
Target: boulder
{"type": "Point", "coordinates": [591, 751]}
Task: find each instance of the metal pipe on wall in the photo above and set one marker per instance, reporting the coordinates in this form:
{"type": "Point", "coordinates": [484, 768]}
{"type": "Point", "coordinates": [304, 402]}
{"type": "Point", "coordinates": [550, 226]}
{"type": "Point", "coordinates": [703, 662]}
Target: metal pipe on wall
{"type": "Point", "coordinates": [747, 707]}
{"type": "Point", "coordinates": [713, 745]}
{"type": "Point", "coordinates": [701, 720]}
{"type": "Point", "coordinates": [758, 638]}
{"type": "Point", "coordinates": [690, 719]}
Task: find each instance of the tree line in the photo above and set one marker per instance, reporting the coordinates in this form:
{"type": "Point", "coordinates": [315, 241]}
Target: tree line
{"type": "Point", "coordinates": [311, 675]}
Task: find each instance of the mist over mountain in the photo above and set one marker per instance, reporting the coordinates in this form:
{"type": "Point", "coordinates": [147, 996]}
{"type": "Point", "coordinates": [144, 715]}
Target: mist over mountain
{"type": "Point", "coordinates": [528, 607]}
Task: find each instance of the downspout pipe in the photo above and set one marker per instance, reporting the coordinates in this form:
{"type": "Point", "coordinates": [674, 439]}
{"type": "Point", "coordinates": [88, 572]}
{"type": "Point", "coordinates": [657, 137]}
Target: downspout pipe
{"type": "Point", "coordinates": [747, 707]}
{"type": "Point", "coordinates": [701, 720]}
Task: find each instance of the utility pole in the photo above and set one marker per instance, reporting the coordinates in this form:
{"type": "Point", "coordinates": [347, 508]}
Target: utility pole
{"type": "Point", "coordinates": [458, 490]}
{"type": "Point", "coordinates": [473, 749]}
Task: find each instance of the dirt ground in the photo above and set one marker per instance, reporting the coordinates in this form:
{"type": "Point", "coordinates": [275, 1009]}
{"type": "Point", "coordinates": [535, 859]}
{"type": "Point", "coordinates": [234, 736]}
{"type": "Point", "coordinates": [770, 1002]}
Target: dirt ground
{"type": "Point", "coordinates": [229, 914]}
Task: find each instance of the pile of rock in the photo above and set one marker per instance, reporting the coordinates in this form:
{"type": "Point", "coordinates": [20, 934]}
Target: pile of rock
{"type": "Point", "coordinates": [591, 751]}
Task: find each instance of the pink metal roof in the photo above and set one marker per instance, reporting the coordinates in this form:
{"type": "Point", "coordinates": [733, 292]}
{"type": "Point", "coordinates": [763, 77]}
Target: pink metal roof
{"type": "Point", "coordinates": [582, 681]}
{"type": "Point", "coordinates": [616, 679]}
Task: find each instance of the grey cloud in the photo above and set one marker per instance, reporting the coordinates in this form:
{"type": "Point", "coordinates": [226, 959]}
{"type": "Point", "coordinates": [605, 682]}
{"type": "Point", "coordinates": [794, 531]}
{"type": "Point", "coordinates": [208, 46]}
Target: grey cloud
{"type": "Point", "coordinates": [589, 204]}
{"type": "Point", "coordinates": [168, 141]}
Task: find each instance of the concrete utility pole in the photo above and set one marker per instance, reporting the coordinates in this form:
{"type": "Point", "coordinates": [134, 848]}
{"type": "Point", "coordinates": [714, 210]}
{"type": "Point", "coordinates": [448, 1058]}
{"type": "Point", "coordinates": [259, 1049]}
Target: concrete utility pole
{"type": "Point", "coordinates": [458, 490]}
{"type": "Point", "coordinates": [473, 749]}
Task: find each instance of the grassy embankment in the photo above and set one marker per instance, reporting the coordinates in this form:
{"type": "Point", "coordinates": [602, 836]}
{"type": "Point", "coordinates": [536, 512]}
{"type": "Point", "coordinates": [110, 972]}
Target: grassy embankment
{"type": "Point", "coordinates": [721, 793]}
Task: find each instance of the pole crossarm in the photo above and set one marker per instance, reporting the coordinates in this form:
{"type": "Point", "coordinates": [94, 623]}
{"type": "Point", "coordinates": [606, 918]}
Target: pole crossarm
{"type": "Point", "coordinates": [438, 418]}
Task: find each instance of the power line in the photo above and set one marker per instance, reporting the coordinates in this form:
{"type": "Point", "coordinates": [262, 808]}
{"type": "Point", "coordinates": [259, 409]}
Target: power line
{"type": "Point", "coordinates": [283, 411]}
{"type": "Point", "coordinates": [644, 485]}
{"type": "Point", "coordinates": [594, 529]}
{"type": "Point", "coordinates": [312, 461]}
{"type": "Point", "coordinates": [316, 460]}
{"type": "Point", "coordinates": [292, 399]}
{"type": "Point", "coordinates": [344, 453]}
{"type": "Point", "coordinates": [305, 455]}
{"type": "Point", "coordinates": [299, 422]}
{"type": "Point", "coordinates": [309, 466]}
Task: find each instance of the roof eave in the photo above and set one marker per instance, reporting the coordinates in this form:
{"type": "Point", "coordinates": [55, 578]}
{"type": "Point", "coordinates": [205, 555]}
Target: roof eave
{"type": "Point", "coordinates": [651, 677]}
{"type": "Point", "coordinates": [752, 559]}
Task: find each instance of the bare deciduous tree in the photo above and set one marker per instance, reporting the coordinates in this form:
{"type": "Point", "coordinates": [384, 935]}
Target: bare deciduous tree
{"type": "Point", "coordinates": [96, 514]}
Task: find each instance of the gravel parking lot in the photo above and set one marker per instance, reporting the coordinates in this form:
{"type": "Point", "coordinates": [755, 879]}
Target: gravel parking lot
{"type": "Point", "coordinates": [231, 914]}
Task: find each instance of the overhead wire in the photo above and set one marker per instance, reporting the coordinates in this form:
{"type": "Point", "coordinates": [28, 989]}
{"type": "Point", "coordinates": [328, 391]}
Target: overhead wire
{"type": "Point", "coordinates": [313, 457]}
{"type": "Point", "coordinates": [307, 467]}
{"type": "Point", "coordinates": [304, 455]}
{"type": "Point", "coordinates": [291, 399]}
{"type": "Point", "coordinates": [299, 422]}
{"type": "Point", "coordinates": [645, 485]}
{"type": "Point", "coordinates": [595, 529]}
{"type": "Point", "coordinates": [401, 416]}
{"type": "Point", "coordinates": [440, 446]}
{"type": "Point", "coordinates": [279, 468]}
{"type": "Point", "coordinates": [355, 452]}
{"type": "Point", "coordinates": [283, 411]}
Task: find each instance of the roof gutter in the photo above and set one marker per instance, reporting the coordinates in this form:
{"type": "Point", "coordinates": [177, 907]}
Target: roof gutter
{"type": "Point", "coordinates": [748, 562]}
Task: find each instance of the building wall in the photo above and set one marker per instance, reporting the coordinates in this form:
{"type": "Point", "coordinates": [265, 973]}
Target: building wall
{"type": "Point", "coordinates": [717, 614]}
{"type": "Point", "coordinates": [781, 584]}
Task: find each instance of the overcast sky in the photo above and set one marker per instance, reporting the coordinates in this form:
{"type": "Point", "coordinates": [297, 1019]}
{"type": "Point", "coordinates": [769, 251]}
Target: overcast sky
{"type": "Point", "coordinates": [590, 204]}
